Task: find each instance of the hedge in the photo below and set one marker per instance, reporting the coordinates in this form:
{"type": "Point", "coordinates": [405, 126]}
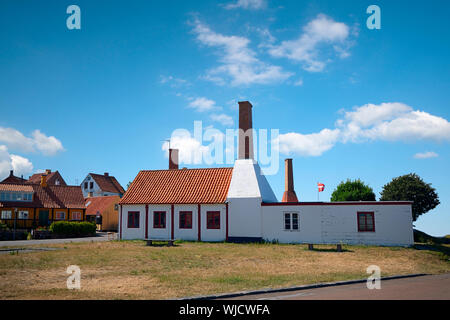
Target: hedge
{"type": "Point", "coordinates": [68, 228]}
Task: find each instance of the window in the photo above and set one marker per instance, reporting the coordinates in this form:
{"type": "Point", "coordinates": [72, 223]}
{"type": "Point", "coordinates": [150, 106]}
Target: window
{"type": "Point", "coordinates": [116, 207]}
{"type": "Point", "coordinates": [60, 215]}
{"type": "Point", "coordinates": [366, 222]}
{"type": "Point", "coordinates": [91, 185]}
{"type": "Point", "coordinates": [159, 219]}
{"type": "Point", "coordinates": [23, 214]}
{"type": "Point", "coordinates": [213, 220]}
{"type": "Point", "coordinates": [185, 219]}
{"type": "Point", "coordinates": [133, 219]}
{"type": "Point", "coordinates": [76, 215]}
{"type": "Point", "coordinates": [291, 221]}
{"type": "Point", "coordinates": [6, 214]}
{"type": "Point", "coordinates": [85, 185]}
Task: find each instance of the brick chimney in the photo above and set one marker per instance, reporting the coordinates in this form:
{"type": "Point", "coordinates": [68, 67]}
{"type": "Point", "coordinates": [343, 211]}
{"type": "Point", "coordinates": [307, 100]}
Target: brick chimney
{"type": "Point", "coordinates": [245, 130]}
{"type": "Point", "coordinates": [106, 174]}
{"type": "Point", "coordinates": [289, 193]}
{"type": "Point", "coordinates": [48, 171]}
{"type": "Point", "coordinates": [173, 159]}
{"type": "Point", "coordinates": [11, 173]}
{"type": "Point", "coordinates": [44, 180]}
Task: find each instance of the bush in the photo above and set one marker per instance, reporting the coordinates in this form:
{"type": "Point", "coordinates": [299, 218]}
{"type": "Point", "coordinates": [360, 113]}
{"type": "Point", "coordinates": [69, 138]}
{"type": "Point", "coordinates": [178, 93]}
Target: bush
{"type": "Point", "coordinates": [68, 228]}
{"type": "Point", "coordinates": [353, 191]}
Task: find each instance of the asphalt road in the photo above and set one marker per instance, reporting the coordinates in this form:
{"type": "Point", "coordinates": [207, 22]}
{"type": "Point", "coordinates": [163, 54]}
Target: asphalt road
{"type": "Point", "coordinates": [101, 236]}
{"type": "Point", "coordinates": [433, 287]}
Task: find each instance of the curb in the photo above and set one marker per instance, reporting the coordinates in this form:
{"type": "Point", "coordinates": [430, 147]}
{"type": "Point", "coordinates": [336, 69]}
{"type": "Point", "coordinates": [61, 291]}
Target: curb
{"type": "Point", "coordinates": [295, 288]}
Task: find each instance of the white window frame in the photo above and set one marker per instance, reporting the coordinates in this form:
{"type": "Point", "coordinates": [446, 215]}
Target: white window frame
{"type": "Point", "coordinates": [5, 213]}
{"type": "Point", "coordinates": [23, 213]}
{"type": "Point", "coordinates": [59, 219]}
{"type": "Point", "coordinates": [78, 213]}
{"type": "Point", "coordinates": [291, 221]}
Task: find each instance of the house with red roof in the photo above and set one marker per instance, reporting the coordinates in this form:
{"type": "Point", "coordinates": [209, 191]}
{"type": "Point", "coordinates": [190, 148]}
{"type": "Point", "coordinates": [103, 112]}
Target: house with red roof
{"type": "Point", "coordinates": [238, 204]}
{"type": "Point", "coordinates": [53, 178]}
{"type": "Point", "coordinates": [31, 205]}
{"type": "Point", "coordinates": [104, 211]}
{"type": "Point", "coordinates": [13, 179]}
{"type": "Point", "coordinates": [96, 185]}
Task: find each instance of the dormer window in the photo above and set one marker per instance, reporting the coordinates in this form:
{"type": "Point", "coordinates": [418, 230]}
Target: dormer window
{"type": "Point", "coordinates": [16, 196]}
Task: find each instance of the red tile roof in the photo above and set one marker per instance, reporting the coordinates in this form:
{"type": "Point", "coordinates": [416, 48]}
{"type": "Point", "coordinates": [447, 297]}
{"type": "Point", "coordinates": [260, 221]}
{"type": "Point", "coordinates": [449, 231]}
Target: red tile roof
{"type": "Point", "coordinates": [57, 197]}
{"type": "Point", "coordinates": [183, 186]}
{"type": "Point", "coordinates": [107, 183]}
{"type": "Point", "coordinates": [52, 177]}
{"type": "Point", "coordinates": [100, 204]}
{"type": "Point", "coordinates": [13, 179]}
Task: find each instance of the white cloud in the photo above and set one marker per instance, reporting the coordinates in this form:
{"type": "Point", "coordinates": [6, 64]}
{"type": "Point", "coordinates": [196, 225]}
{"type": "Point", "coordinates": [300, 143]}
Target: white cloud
{"type": "Point", "coordinates": [203, 104]}
{"type": "Point", "coordinates": [222, 118]}
{"type": "Point", "coordinates": [322, 30]}
{"type": "Point", "coordinates": [239, 64]}
{"type": "Point", "coordinates": [313, 144]}
{"type": "Point", "coordinates": [247, 4]}
{"type": "Point", "coordinates": [20, 165]}
{"type": "Point", "coordinates": [172, 81]}
{"type": "Point", "coordinates": [386, 122]}
{"type": "Point", "coordinates": [38, 141]}
{"type": "Point", "coordinates": [298, 83]}
{"type": "Point", "coordinates": [190, 150]}
{"type": "Point", "coordinates": [426, 155]}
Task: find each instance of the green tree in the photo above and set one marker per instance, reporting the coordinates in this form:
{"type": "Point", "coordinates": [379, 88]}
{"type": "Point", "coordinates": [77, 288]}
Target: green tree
{"type": "Point", "coordinates": [411, 187]}
{"type": "Point", "coordinates": [353, 191]}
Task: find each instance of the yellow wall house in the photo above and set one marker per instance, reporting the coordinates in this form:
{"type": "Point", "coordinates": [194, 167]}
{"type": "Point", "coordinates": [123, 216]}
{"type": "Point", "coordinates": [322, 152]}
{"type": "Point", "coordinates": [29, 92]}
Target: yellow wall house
{"type": "Point", "coordinates": [32, 205]}
{"type": "Point", "coordinates": [107, 208]}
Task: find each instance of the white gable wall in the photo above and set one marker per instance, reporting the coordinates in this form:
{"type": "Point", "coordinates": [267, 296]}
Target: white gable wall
{"type": "Point", "coordinates": [248, 188]}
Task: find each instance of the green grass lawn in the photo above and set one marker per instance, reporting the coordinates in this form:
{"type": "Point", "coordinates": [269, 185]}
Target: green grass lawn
{"type": "Point", "coordinates": [131, 270]}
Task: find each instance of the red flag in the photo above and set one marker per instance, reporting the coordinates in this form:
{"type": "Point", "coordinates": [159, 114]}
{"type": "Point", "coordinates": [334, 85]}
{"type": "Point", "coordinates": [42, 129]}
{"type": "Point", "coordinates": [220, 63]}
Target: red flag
{"type": "Point", "coordinates": [321, 187]}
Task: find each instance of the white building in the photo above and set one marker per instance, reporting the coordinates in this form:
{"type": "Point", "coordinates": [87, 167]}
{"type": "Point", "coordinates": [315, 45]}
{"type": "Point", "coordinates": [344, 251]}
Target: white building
{"type": "Point", "coordinates": [238, 204]}
{"type": "Point", "coordinates": [97, 185]}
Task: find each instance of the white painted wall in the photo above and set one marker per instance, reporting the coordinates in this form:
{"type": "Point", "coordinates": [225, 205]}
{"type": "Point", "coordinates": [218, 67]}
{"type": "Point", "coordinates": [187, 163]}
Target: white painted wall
{"type": "Point", "coordinates": [97, 192]}
{"type": "Point", "coordinates": [244, 217]}
{"type": "Point", "coordinates": [132, 233]}
{"type": "Point", "coordinates": [338, 224]}
{"type": "Point", "coordinates": [182, 234]}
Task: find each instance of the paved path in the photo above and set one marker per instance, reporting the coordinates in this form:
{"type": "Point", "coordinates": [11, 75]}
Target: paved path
{"type": "Point", "coordinates": [101, 236]}
{"type": "Point", "coordinates": [434, 287]}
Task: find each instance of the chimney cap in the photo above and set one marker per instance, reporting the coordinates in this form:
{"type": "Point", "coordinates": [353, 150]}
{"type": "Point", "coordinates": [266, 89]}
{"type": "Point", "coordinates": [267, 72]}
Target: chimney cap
{"type": "Point", "coordinates": [11, 173]}
{"type": "Point", "coordinates": [48, 171]}
{"type": "Point", "coordinates": [106, 174]}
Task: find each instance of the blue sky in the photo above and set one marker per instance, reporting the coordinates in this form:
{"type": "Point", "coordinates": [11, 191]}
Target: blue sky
{"type": "Point", "coordinates": [348, 102]}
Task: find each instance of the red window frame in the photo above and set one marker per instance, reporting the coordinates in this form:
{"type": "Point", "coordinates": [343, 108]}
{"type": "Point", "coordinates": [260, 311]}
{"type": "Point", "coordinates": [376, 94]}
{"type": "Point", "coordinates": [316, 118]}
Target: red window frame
{"type": "Point", "coordinates": [159, 223]}
{"type": "Point", "coordinates": [133, 219]}
{"type": "Point", "coordinates": [213, 220]}
{"type": "Point", "coordinates": [364, 228]}
{"type": "Point", "coordinates": [187, 219]}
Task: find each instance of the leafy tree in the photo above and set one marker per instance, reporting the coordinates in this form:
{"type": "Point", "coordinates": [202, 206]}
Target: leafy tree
{"type": "Point", "coordinates": [411, 187]}
{"type": "Point", "coordinates": [353, 191]}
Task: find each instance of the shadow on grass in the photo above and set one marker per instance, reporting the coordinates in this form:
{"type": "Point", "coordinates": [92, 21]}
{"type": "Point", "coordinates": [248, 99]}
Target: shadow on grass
{"type": "Point", "coordinates": [444, 250]}
{"type": "Point", "coordinates": [328, 250]}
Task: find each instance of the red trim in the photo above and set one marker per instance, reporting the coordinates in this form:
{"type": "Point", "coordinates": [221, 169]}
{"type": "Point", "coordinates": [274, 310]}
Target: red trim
{"type": "Point", "coordinates": [372, 214]}
{"type": "Point", "coordinates": [189, 214]}
{"type": "Point", "coordinates": [226, 213]}
{"type": "Point", "coordinates": [213, 225]}
{"type": "Point", "coordinates": [199, 222]}
{"type": "Point", "coordinates": [172, 215]}
{"type": "Point", "coordinates": [366, 203]}
{"type": "Point", "coordinates": [159, 225]}
{"type": "Point", "coordinates": [133, 225]}
{"type": "Point", "coordinates": [146, 221]}
{"type": "Point", "coordinates": [120, 224]}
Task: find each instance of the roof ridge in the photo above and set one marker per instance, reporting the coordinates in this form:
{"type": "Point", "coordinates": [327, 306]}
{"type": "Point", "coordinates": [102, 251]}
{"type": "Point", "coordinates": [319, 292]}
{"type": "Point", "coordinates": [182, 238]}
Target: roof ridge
{"type": "Point", "coordinates": [155, 170]}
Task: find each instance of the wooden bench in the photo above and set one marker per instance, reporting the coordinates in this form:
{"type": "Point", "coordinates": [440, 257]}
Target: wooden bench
{"type": "Point", "coordinates": [169, 241]}
{"type": "Point", "coordinates": [338, 247]}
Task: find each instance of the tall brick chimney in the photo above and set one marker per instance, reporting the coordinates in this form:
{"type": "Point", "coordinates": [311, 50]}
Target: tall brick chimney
{"type": "Point", "coordinates": [44, 180]}
{"type": "Point", "coordinates": [173, 159]}
{"type": "Point", "coordinates": [289, 193]}
{"type": "Point", "coordinates": [245, 130]}
{"type": "Point", "coordinates": [106, 174]}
